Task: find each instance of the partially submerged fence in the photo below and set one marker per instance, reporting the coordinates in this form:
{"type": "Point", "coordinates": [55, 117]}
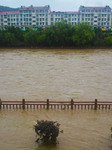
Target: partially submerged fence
{"type": "Point", "coordinates": [56, 104]}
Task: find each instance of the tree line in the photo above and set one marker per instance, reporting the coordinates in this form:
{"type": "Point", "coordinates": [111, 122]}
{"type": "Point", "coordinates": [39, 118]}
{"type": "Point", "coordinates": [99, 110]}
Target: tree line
{"type": "Point", "coordinates": [59, 35]}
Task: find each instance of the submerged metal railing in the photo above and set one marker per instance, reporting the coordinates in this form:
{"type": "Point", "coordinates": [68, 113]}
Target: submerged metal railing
{"type": "Point", "coordinates": [107, 105]}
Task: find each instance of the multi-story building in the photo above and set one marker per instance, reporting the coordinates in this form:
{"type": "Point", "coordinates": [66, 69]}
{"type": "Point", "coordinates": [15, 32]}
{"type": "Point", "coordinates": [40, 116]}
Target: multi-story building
{"type": "Point", "coordinates": [70, 17]}
{"type": "Point", "coordinates": [96, 16]}
{"type": "Point", "coordinates": [43, 16]}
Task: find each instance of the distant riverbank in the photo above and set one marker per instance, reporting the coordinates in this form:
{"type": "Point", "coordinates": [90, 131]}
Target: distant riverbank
{"type": "Point", "coordinates": [61, 47]}
{"type": "Point", "coordinates": [58, 36]}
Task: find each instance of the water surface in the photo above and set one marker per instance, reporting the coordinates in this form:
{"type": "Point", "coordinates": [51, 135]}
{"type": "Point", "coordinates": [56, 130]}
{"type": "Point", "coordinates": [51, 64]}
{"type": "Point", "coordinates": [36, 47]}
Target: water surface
{"type": "Point", "coordinates": [55, 74]}
{"type": "Point", "coordinates": [83, 130]}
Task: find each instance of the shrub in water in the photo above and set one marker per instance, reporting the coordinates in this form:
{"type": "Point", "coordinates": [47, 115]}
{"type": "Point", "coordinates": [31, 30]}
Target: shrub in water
{"type": "Point", "coordinates": [47, 131]}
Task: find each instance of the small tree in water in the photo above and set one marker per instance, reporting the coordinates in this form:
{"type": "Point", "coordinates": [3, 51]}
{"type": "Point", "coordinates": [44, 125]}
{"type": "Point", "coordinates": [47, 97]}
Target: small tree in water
{"type": "Point", "coordinates": [47, 131]}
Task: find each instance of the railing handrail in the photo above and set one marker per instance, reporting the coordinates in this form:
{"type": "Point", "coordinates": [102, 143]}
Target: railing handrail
{"type": "Point", "coordinates": [49, 104]}
{"type": "Point", "coordinates": [54, 102]}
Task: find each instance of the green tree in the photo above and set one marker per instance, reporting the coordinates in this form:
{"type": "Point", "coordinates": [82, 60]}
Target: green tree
{"type": "Point", "coordinates": [41, 37]}
{"type": "Point", "coordinates": [10, 39]}
{"type": "Point", "coordinates": [98, 40]}
{"type": "Point", "coordinates": [50, 36]}
{"type": "Point", "coordinates": [18, 34]}
{"type": "Point", "coordinates": [107, 33]}
{"type": "Point", "coordinates": [2, 38]}
{"type": "Point", "coordinates": [108, 40]}
{"type": "Point", "coordinates": [30, 38]}
{"type": "Point", "coordinates": [59, 34]}
{"type": "Point", "coordinates": [64, 33]}
{"type": "Point", "coordinates": [84, 34]}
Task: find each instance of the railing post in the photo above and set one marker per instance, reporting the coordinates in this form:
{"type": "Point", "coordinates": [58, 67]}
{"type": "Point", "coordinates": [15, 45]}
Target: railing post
{"type": "Point", "coordinates": [72, 102]}
{"type": "Point", "coordinates": [0, 104]}
{"type": "Point", "coordinates": [96, 102]}
{"type": "Point", "coordinates": [47, 103]}
{"type": "Point", "coordinates": [23, 103]}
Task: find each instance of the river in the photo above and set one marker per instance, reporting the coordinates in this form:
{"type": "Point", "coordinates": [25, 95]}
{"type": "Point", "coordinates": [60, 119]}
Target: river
{"type": "Point", "coordinates": [58, 75]}
{"type": "Point", "coordinates": [55, 74]}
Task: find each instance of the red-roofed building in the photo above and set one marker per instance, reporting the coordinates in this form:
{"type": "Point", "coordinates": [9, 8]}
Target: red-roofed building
{"type": "Point", "coordinates": [43, 16]}
{"type": "Point", "coordinates": [9, 12]}
{"type": "Point", "coordinates": [96, 16]}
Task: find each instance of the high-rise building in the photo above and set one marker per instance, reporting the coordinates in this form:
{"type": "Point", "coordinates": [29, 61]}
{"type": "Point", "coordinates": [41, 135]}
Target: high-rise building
{"type": "Point", "coordinates": [43, 16]}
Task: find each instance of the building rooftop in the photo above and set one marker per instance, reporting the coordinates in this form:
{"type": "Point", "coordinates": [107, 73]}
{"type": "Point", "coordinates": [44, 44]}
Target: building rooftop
{"type": "Point", "coordinates": [31, 7]}
{"type": "Point", "coordinates": [9, 12]}
{"type": "Point", "coordinates": [106, 7]}
{"type": "Point", "coordinates": [67, 12]}
{"type": "Point", "coordinates": [53, 12]}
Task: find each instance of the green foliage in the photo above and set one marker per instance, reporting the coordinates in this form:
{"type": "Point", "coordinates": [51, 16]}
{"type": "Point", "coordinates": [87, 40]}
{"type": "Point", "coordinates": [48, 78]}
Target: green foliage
{"type": "Point", "coordinates": [84, 34]}
{"type": "Point", "coordinates": [51, 37]}
{"type": "Point", "coordinates": [17, 33]}
{"type": "Point", "coordinates": [60, 34]}
{"type": "Point", "coordinates": [98, 40]}
{"type": "Point", "coordinates": [108, 40]}
{"type": "Point", "coordinates": [11, 36]}
{"type": "Point", "coordinates": [47, 131]}
{"type": "Point", "coordinates": [63, 33]}
{"type": "Point", "coordinates": [10, 39]}
{"type": "Point", "coordinates": [30, 38]}
{"type": "Point", "coordinates": [41, 37]}
{"type": "Point", "coordinates": [107, 33]}
{"type": "Point", "coordinates": [2, 37]}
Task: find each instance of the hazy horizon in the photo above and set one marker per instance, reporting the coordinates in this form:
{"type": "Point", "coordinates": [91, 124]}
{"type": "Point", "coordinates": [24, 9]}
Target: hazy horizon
{"type": "Point", "coordinates": [57, 5]}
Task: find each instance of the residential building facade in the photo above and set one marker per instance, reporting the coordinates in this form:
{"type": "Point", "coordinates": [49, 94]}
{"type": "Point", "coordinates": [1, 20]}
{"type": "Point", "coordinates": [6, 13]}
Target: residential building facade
{"type": "Point", "coordinates": [43, 16]}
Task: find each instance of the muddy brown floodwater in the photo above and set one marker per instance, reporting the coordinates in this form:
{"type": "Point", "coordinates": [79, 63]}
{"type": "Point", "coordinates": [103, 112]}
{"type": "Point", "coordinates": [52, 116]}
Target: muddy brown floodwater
{"type": "Point", "coordinates": [83, 130]}
{"type": "Point", "coordinates": [57, 75]}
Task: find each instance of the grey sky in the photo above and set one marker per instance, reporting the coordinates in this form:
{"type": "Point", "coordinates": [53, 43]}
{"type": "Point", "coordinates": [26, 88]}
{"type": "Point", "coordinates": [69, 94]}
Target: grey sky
{"type": "Point", "coordinates": [57, 5]}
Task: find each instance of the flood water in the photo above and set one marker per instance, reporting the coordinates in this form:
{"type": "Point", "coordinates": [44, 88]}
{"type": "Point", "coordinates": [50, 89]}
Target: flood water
{"type": "Point", "coordinates": [57, 75]}
{"type": "Point", "coordinates": [83, 130]}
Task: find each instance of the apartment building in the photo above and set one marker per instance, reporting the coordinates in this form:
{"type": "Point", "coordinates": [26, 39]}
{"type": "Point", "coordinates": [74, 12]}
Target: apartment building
{"type": "Point", "coordinates": [96, 16]}
{"type": "Point", "coordinates": [70, 17]}
{"type": "Point", "coordinates": [43, 16]}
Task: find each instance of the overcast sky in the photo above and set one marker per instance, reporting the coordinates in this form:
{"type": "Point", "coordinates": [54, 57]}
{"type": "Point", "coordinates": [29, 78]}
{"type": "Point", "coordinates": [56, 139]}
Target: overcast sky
{"type": "Point", "coordinates": [57, 5]}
